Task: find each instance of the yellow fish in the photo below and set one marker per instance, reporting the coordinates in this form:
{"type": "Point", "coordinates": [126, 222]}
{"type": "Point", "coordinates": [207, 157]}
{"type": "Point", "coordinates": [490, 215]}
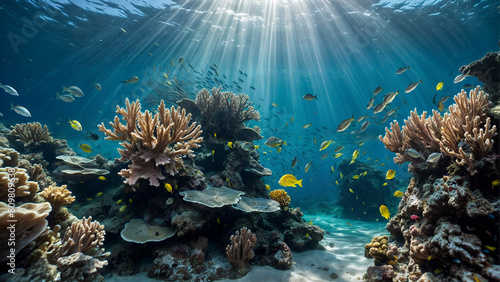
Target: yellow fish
{"type": "Point", "coordinates": [122, 208]}
{"type": "Point", "coordinates": [338, 155]}
{"type": "Point", "coordinates": [355, 177]}
{"type": "Point", "coordinates": [325, 145]}
{"type": "Point", "coordinates": [119, 201]}
{"type": "Point", "coordinates": [314, 142]}
{"type": "Point", "coordinates": [124, 31]}
{"type": "Point", "coordinates": [439, 86]}
{"type": "Point", "coordinates": [355, 154]}
{"type": "Point", "coordinates": [390, 174]}
{"type": "Point", "coordinates": [350, 190]}
{"type": "Point", "coordinates": [495, 183]}
{"type": "Point", "coordinates": [278, 150]}
{"type": "Point", "coordinates": [168, 187]}
{"type": "Point", "coordinates": [268, 187]}
{"type": "Point", "coordinates": [75, 125]}
{"type": "Point", "coordinates": [101, 178]}
{"type": "Point", "coordinates": [307, 234]}
{"type": "Point", "coordinates": [230, 144]}
{"type": "Point", "coordinates": [85, 147]}
{"type": "Point", "coordinates": [398, 194]}
{"type": "Point", "coordinates": [274, 104]}
{"type": "Point", "coordinates": [308, 165]}
{"type": "Point", "coordinates": [289, 180]}
{"type": "Point", "coordinates": [341, 175]}
{"type": "Point", "coordinates": [130, 200]}
{"type": "Point", "coordinates": [385, 184]}
{"type": "Point", "coordinates": [324, 156]}
{"type": "Point", "coordinates": [351, 162]}
{"type": "Point", "coordinates": [440, 106]}
{"type": "Point", "coordinates": [332, 168]}
{"type": "Point", "coordinates": [365, 173]}
{"type": "Point", "coordinates": [89, 199]}
{"type": "Point", "coordinates": [384, 211]}
{"type": "Point", "coordinates": [490, 248]}
{"type": "Point", "coordinates": [361, 143]}
{"type": "Point", "coordinates": [336, 182]}
{"type": "Point", "coordinates": [310, 222]}
{"type": "Point", "coordinates": [307, 125]}
{"type": "Point", "coordinates": [348, 223]}
{"type": "Point", "coordinates": [99, 194]}
{"type": "Point", "coordinates": [218, 220]}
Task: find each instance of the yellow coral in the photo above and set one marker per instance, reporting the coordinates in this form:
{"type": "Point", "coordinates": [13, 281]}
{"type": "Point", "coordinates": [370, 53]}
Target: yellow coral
{"type": "Point", "coordinates": [58, 196]}
{"type": "Point", "coordinates": [377, 249]}
{"type": "Point", "coordinates": [281, 197]}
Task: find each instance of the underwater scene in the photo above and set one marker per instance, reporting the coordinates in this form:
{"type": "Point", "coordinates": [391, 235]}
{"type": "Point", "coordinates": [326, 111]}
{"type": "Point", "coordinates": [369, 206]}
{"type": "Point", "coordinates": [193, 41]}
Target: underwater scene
{"type": "Point", "coordinates": [249, 140]}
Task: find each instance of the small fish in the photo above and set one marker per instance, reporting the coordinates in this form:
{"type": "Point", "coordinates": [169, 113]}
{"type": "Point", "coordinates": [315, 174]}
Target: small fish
{"type": "Point", "coordinates": [310, 97]}
{"type": "Point", "coordinates": [9, 89]}
{"type": "Point", "coordinates": [122, 208]}
{"type": "Point", "coordinates": [439, 86]}
{"type": "Point", "coordinates": [398, 194]}
{"type": "Point", "coordinates": [294, 161]}
{"type": "Point", "coordinates": [341, 175]}
{"type": "Point", "coordinates": [495, 183]}
{"type": "Point", "coordinates": [389, 97]}
{"type": "Point", "coordinates": [355, 177]}
{"type": "Point", "coordinates": [169, 201]}
{"type": "Point", "coordinates": [307, 166]}
{"type": "Point", "coordinates": [345, 124]}
{"type": "Point", "coordinates": [274, 104]}
{"type": "Point", "coordinates": [325, 145]}
{"type": "Point", "coordinates": [168, 187]}
{"type": "Point", "coordinates": [181, 60]}
{"type": "Point", "coordinates": [412, 86]}
{"type": "Point", "coordinates": [348, 223]}
{"type": "Point", "coordinates": [350, 190]}
{"type": "Point", "coordinates": [414, 217]}
{"type": "Point", "coordinates": [433, 158]}
{"type": "Point", "coordinates": [132, 79]}
{"type": "Point", "coordinates": [130, 200]}
{"type": "Point", "coordinates": [384, 211]}
{"type": "Point", "coordinates": [89, 199]}
{"type": "Point", "coordinates": [364, 126]}
{"type": "Point", "coordinates": [73, 90]}
{"type": "Point", "coordinates": [324, 156]}
{"type": "Point", "coordinates": [75, 125]}
{"type": "Point", "coordinates": [314, 141]}
{"type": "Point", "coordinates": [338, 155]}
{"type": "Point", "coordinates": [378, 108]}
{"type": "Point", "coordinates": [467, 86]}
{"type": "Point", "coordinates": [20, 110]}
{"type": "Point", "coordinates": [413, 153]}
{"type": "Point", "coordinates": [338, 149]}
{"type": "Point", "coordinates": [275, 142]}
{"type": "Point", "coordinates": [370, 103]}
{"type": "Point", "coordinates": [402, 70]}
{"type": "Point", "coordinates": [440, 106]}
{"type": "Point", "coordinates": [268, 187]}
{"type": "Point", "coordinates": [365, 173]}
{"type": "Point", "coordinates": [92, 136]}
{"type": "Point", "coordinates": [355, 154]}
{"type": "Point", "coordinates": [119, 201]}
{"type": "Point", "coordinates": [307, 125]}
{"type": "Point", "coordinates": [385, 184]}
{"type": "Point", "coordinates": [97, 86]}
{"type": "Point", "coordinates": [85, 147]}
{"type": "Point", "coordinates": [460, 77]}
{"type": "Point", "coordinates": [65, 97]}
{"type": "Point", "coordinates": [99, 194]}
{"type": "Point", "coordinates": [288, 180]}
{"type": "Point", "coordinates": [332, 168]}
{"type": "Point", "coordinates": [310, 222]}
{"type": "Point", "coordinates": [230, 144]}
{"type": "Point", "coordinates": [490, 248]}
{"type": "Point", "coordinates": [101, 178]}
{"type": "Point", "coordinates": [390, 174]}
{"type": "Point", "coordinates": [336, 182]}
{"type": "Point", "coordinates": [377, 90]}
{"type": "Point", "coordinates": [124, 31]}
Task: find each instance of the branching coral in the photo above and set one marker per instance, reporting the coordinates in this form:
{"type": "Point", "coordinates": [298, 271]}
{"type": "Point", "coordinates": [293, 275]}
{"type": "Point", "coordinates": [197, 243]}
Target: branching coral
{"type": "Point", "coordinates": [465, 133]}
{"type": "Point", "coordinates": [58, 196]}
{"type": "Point", "coordinates": [153, 142]}
{"type": "Point", "coordinates": [240, 251]}
{"type": "Point", "coordinates": [84, 236]}
{"type": "Point", "coordinates": [281, 197]}
{"type": "Point", "coordinates": [30, 133]}
{"type": "Point", "coordinates": [222, 112]}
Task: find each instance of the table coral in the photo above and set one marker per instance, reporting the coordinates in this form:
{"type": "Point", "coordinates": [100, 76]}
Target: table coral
{"type": "Point", "coordinates": [153, 143]}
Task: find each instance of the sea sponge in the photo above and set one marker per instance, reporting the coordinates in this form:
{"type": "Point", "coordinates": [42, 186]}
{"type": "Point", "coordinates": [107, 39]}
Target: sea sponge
{"type": "Point", "coordinates": [281, 197]}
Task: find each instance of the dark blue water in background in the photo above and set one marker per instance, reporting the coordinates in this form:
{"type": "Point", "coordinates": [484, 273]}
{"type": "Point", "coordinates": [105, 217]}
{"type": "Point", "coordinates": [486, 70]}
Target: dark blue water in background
{"type": "Point", "coordinates": [339, 50]}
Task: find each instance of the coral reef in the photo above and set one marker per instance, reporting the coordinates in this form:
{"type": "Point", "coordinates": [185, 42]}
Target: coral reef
{"type": "Point", "coordinates": [8, 157]}
{"type": "Point", "coordinates": [487, 70]}
{"type": "Point", "coordinates": [153, 143]}
{"type": "Point", "coordinates": [446, 227]}
{"type": "Point", "coordinates": [281, 197]}
{"type": "Point", "coordinates": [240, 250]}
{"type": "Point", "coordinates": [464, 134]}
{"type": "Point", "coordinates": [15, 181]}
{"type": "Point", "coordinates": [30, 133]}
{"type": "Point", "coordinates": [57, 196]}
{"type": "Point", "coordinates": [80, 267]}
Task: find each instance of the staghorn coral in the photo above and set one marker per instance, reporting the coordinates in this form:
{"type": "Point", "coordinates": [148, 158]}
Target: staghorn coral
{"type": "Point", "coordinates": [28, 221]}
{"type": "Point", "coordinates": [58, 196]}
{"type": "Point", "coordinates": [153, 143]}
{"type": "Point", "coordinates": [30, 133]}
{"type": "Point", "coordinates": [281, 197]}
{"type": "Point", "coordinates": [14, 181]}
{"type": "Point", "coordinates": [84, 236]}
{"type": "Point", "coordinates": [464, 134]}
{"type": "Point", "coordinates": [240, 251]}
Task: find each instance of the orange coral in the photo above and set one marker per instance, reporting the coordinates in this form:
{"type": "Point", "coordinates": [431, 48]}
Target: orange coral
{"type": "Point", "coordinates": [58, 196]}
{"type": "Point", "coordinates": [281, 197]}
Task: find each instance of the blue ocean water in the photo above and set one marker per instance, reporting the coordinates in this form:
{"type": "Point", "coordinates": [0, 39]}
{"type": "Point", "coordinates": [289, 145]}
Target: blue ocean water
{"type": "Point", "coordinates": [275, 50]}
